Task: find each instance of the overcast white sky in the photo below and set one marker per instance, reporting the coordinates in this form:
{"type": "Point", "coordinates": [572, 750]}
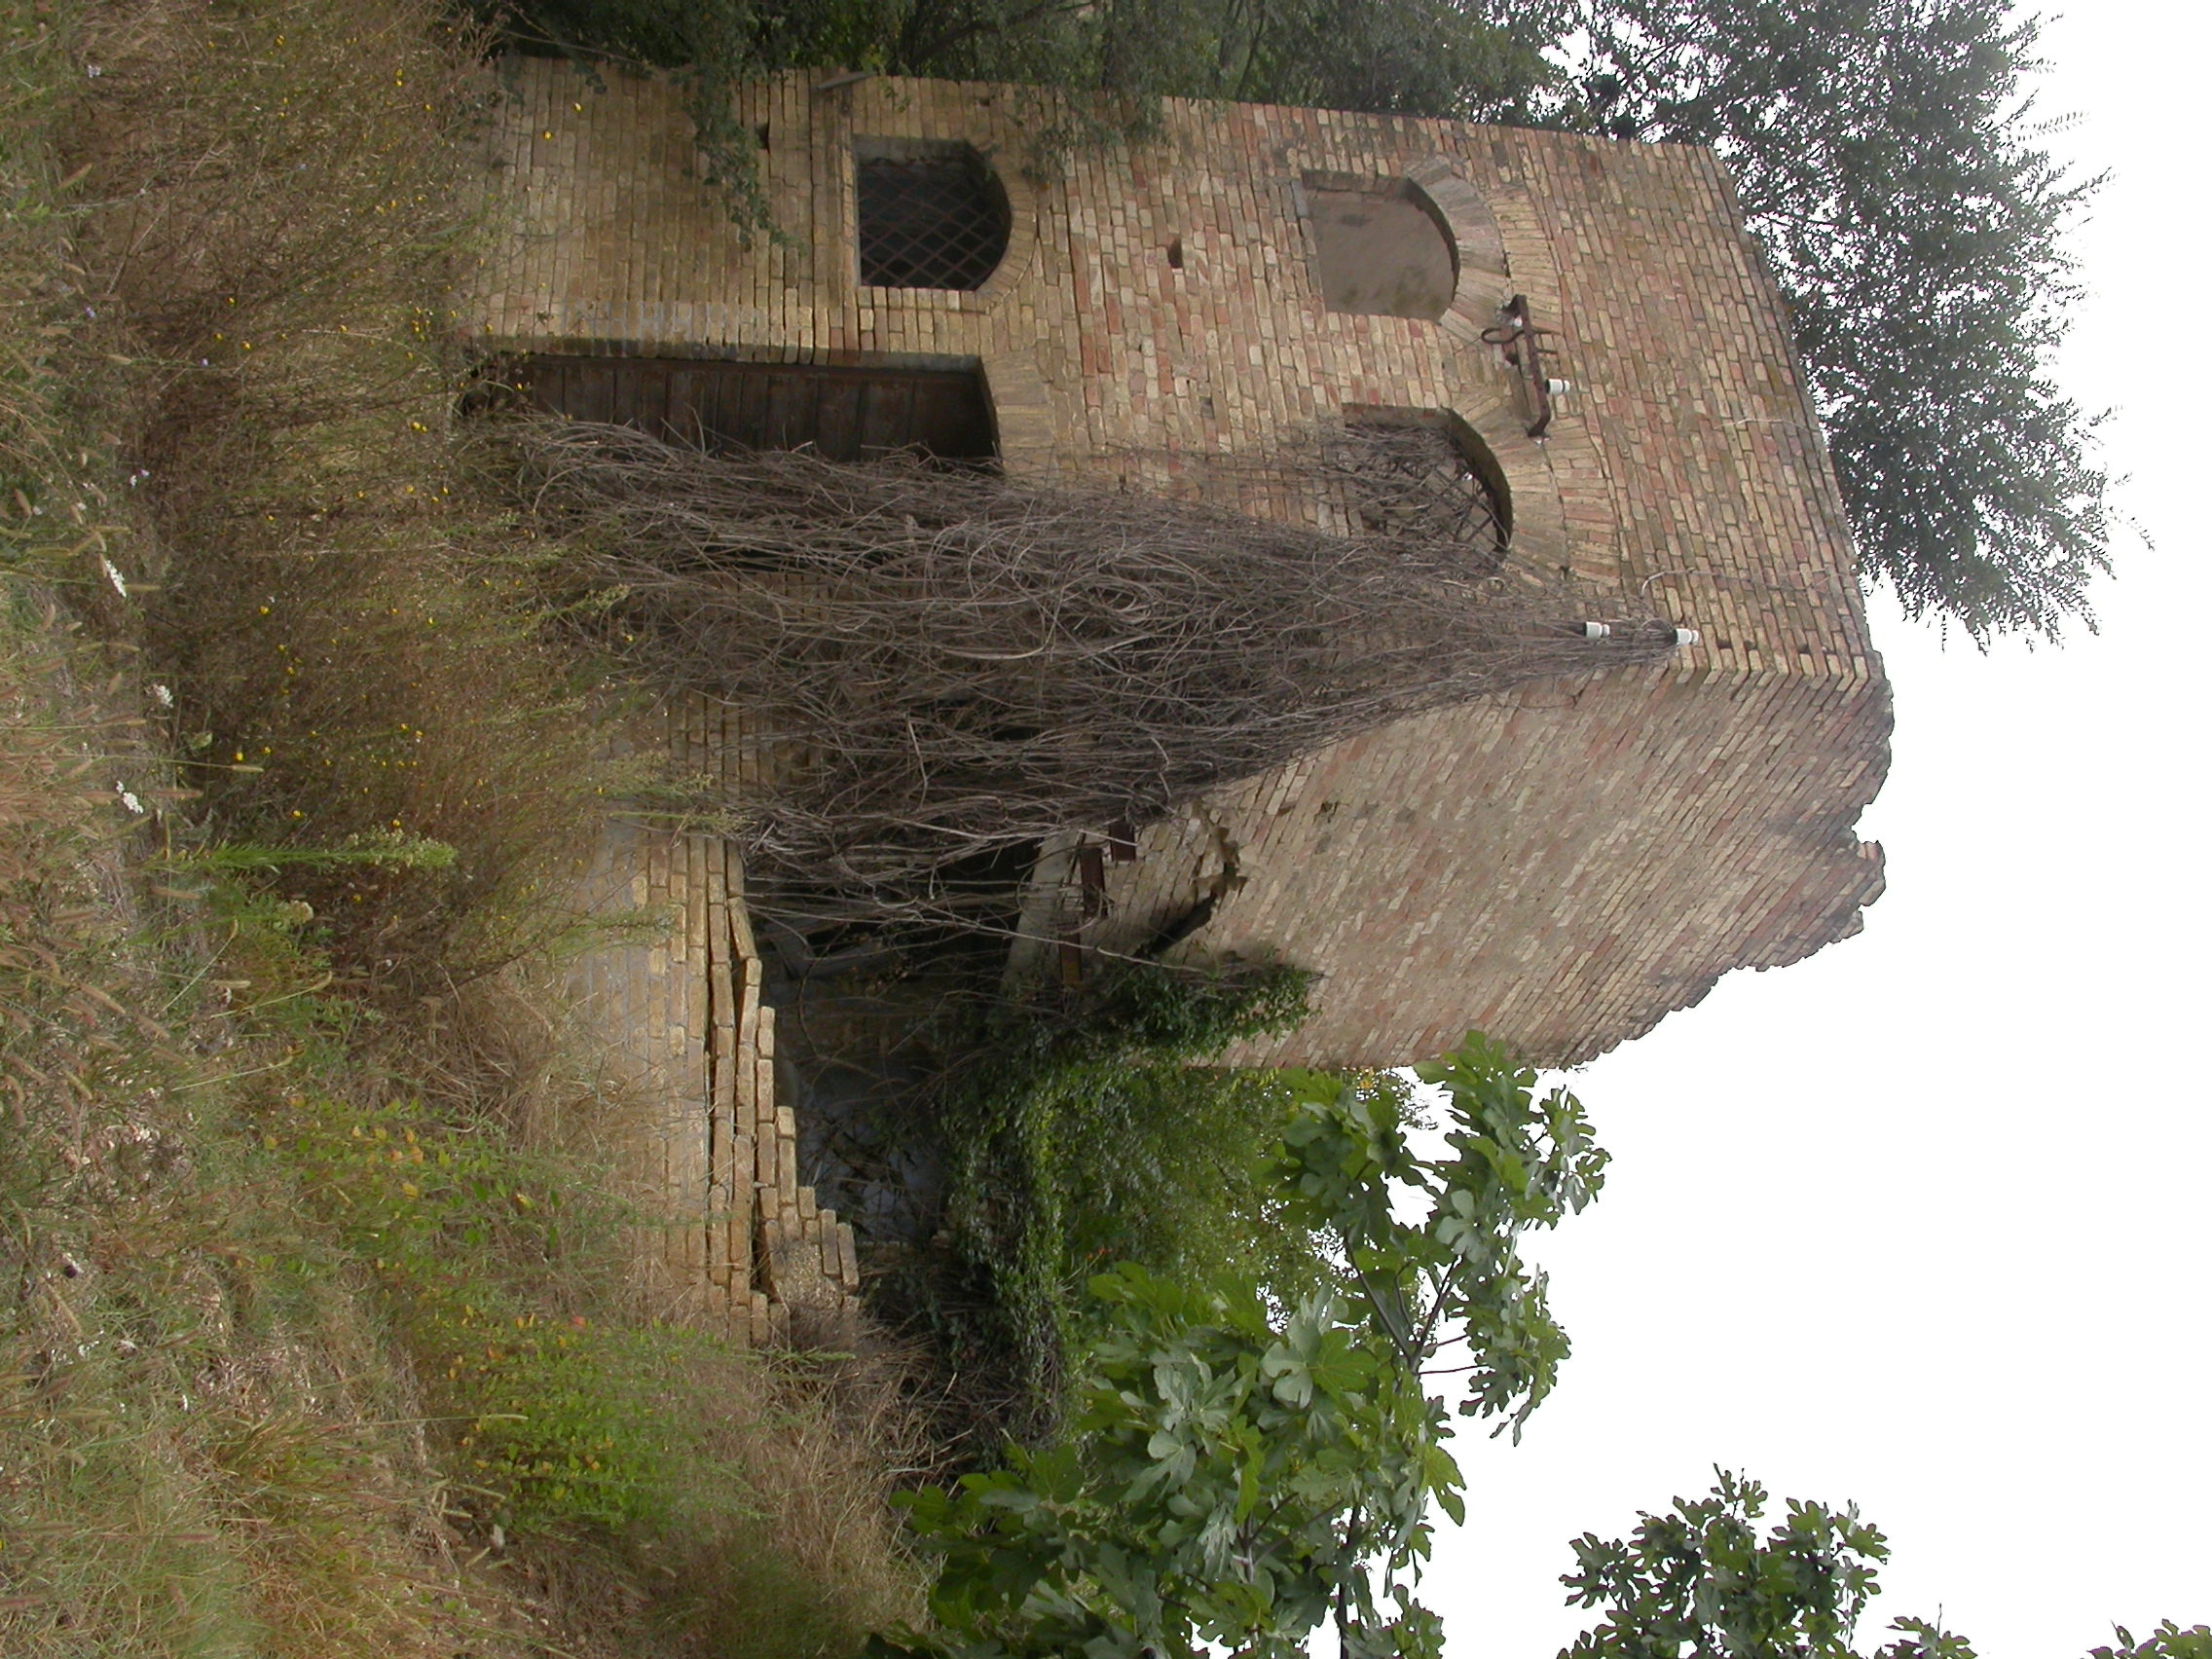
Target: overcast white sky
{"type": "Point", "coordinates": [1924, 1222]}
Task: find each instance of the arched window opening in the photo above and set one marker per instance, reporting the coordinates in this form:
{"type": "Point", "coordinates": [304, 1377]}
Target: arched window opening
{"type": "Point", "coordinates": [931, 216]}
{"type": "Point", "coordinates": [1425, 475]}
{"type": "Point", "coordinates": [1379, 247]}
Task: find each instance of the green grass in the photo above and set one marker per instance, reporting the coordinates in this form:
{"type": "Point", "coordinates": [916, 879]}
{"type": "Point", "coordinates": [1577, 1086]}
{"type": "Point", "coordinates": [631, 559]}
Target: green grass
{"type": "Point", "coordinates": [314, 1339]}
{"type": "Point", "coordinates": [209, 1446]}
{"type": "Point", "coordinates": [291, 1347]}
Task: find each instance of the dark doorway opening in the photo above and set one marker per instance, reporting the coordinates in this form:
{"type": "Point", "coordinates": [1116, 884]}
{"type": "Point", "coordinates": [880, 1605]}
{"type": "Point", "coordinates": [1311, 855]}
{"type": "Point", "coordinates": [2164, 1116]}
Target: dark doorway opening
{"type": "Point", "coordinates": [844, 412]}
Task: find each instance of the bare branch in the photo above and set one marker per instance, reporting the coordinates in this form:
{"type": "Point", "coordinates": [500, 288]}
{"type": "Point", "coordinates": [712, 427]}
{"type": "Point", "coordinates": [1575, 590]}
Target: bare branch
{"type": "Point", "coordinates": [945, 669]}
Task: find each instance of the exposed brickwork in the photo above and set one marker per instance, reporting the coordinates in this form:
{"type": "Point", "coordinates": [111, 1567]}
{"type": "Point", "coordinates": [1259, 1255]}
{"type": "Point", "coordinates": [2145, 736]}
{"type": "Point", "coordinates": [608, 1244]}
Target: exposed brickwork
{"type": "Point", "coordinates": [1562, 868]}
{"type": "Point", "coordinates": [671, 1002]}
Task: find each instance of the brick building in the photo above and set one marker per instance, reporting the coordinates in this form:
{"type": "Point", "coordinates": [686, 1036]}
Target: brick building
{"type": "Point", "coordinates": [1561, 868]}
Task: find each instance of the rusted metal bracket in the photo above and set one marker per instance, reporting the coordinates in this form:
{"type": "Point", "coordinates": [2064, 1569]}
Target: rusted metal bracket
{"type": "Point", "coordinates": [1516, 335]}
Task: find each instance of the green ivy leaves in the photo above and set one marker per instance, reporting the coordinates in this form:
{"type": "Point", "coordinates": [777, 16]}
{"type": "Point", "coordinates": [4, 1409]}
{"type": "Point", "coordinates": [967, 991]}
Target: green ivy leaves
{"type": "Point", "coordinates": [1238, 1471]}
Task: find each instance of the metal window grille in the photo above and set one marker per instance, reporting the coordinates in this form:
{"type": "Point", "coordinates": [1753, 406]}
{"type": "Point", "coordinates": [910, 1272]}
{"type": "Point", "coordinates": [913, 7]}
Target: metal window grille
{"type": "Point", "coordinates": [929, 222]}
{"type": "Point", "coordinates": [1415, 480]}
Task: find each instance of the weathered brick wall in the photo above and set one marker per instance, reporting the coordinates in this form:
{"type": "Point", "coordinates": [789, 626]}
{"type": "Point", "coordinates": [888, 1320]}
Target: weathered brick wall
{"type": "Point", "coordinates": [1563, 868]}
{"type": "Point", "coordinates": [666, 1003]}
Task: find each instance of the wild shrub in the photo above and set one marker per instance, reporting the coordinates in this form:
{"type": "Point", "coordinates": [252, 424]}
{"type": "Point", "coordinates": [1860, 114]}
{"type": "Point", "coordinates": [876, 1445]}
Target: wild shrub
{"type": "Point", "coordinates": [1093, 1132]}
{"type": "Point", "coordinates": [1240, 1468]}
{"type": "Point", "coordinates": [343, 608]}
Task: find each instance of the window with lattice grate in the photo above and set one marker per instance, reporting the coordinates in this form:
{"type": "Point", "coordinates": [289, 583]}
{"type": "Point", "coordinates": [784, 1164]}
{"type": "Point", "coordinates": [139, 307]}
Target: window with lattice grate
{"type": "Point", "coordinates": [1415, 477]}
{"type": "Point", "coordinates": [931, 217]}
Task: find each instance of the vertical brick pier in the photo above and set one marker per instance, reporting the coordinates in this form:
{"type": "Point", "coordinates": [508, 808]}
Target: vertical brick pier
{"type": "Point", "coordinates": [669, 1000]}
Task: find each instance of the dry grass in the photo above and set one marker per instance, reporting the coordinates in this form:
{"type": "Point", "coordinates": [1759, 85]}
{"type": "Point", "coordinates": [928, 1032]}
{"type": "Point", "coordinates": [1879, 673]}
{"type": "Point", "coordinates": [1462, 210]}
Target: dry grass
{"type": "Point", "coordinates": [276, 194]}
{"type": "Point", "coordinates": [811, 1560]}
{"type": "Point", "coordinates": [204, 1446]}
{"type": "Point", "coordinates": [243, 585]}
{"type": "Point", "coordinates": [207, 1443]}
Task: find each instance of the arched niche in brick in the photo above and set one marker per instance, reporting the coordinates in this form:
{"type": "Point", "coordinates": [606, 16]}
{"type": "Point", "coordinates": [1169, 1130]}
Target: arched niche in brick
{"type": "Point", "coordinates": [1012, 196]}
{"type": "Point", "coordinates": [1483, 270]}
{"type": "Point", "coordinates": [1422, 244]}
{"type": "Point", "coordinates": [1376, 247]}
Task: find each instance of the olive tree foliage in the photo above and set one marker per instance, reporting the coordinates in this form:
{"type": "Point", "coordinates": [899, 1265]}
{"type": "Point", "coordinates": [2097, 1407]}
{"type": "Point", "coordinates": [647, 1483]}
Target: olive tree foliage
{"type": "Point", "coordinates": [1702, 1582]}
{"type": "Point", "coordinates": [1237, 1473]}
{"type": "Point", "coordinates": [1889, 158]}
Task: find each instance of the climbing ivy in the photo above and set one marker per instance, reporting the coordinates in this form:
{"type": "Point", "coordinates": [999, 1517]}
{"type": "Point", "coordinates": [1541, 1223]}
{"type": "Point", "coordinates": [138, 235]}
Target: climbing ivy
{"type": "Point", "coordinates": [1091, 1128]}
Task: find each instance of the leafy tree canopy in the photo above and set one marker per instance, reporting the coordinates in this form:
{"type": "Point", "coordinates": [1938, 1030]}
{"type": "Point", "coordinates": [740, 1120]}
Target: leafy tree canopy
{"type": "Point", "coordinates": [1700, 1582]}
{"type": "Point", "coordinates": [1086, 1131]}
{"type": "Point", "coordinates": [1240, 1470]}
{"type": "Point", "coordinates": [1885, 152]}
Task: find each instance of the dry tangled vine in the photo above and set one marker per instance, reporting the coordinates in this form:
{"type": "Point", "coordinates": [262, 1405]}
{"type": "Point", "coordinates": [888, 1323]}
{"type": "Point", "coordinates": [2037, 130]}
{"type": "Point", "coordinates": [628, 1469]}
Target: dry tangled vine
{"type": "Point", "coordinates": [966, 666]}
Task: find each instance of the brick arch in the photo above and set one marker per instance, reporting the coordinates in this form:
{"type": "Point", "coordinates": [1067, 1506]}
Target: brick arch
{"type": "Point", "coordinates": [1538, 474]}
{"type": "Point", "coordinates": [1485, 273]}
{"type": "Point", "coordinates": [1022, 232]}
{"type": "Point", "coordinates": [1531, 487]}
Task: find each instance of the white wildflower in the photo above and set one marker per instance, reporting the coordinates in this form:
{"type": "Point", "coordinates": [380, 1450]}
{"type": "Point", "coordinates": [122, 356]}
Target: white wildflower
{"type": "Point", "coordinates": [115, 576]}
{"type": "Point", "coordinates": [130, 802]}
{"type": "Point", "coordinates": [164, 695]}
